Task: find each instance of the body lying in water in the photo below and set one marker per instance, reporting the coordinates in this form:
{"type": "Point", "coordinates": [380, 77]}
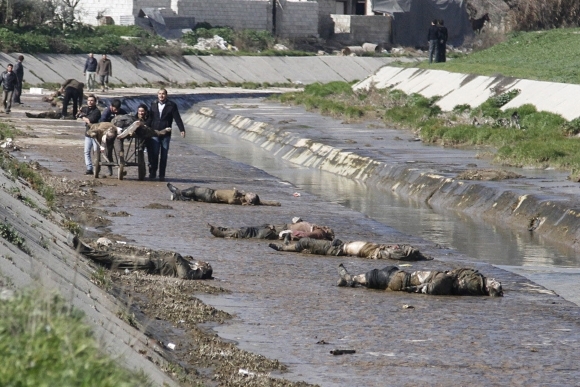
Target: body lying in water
{"type": "Point", "coordinates": [286, 231]}
{"type": "Point", "coordinates": [360, 249]}
{"type": "Point", "coordinates": [459, 282]}
{"type": "Point", "coordinates": [164, 263]}
{"type": "Point", "coordinates": [227, 196]}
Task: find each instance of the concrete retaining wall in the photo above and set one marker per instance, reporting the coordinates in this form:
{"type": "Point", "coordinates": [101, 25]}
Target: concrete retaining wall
{"type": "Point", "coordinates": [202, 69]}
{"type": "Point", "coordinates": [297, 19]}
{"type": "Point", "coordinates": [238, 14]}
{"type": "Point", "coordinates": [494, 203]}
{"type": "Point", "coordinates": [457, 89]}
{"type": "Point", "coordinates": [356, 29]}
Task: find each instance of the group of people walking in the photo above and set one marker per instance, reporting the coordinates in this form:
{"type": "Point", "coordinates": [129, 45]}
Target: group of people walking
{"type": "Point", "coordinates": [11, 81]}
{"type": "Point", "coordinates": [437, 38]}
{"type": "Point", "coordinates": [103, 68]}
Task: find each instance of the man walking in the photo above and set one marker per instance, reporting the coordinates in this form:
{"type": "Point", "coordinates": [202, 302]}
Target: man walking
{"type": "Point", "coordinates": [90, 71]}
{"type": "Point", "coordinates": [433, 38]}
{"type": "Point", "coordinates": [9, 81]}
{"type": "Point", "coordinates": [19, 70]}
{"type": "Point", "coordinates": [72, 90]}
{"type": "Point", "coordinates": [104, 70]}
{"type": "Point", "coordinates": [163, 113]}
{"type": "Point", "coordinates": [90, 114]}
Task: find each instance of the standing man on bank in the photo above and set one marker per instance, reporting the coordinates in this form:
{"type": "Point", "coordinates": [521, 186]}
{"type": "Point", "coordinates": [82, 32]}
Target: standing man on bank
{"type": "Point", "coordinates": [104, 70]}
{"type": "Point", "coordinates": [163, 112]}
{"type": "Point", "coordinates": [9, 80]}
{"type": "Point", "coordinates": [90, 71]}
{"type": "Point", "coordinates": [433, 38]}
{"type": "Point", "coordinates": [19, 70]}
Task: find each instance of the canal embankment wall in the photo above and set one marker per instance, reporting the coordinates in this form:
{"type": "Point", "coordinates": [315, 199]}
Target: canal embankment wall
{"type": "Point", "coordinates": [552, 216]}
{"type": "Point", "coordinates": [189, 70]}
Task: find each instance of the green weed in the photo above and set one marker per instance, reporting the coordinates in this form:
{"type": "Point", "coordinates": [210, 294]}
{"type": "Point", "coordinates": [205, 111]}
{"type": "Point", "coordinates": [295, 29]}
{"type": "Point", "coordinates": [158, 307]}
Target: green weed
{"type": "Point", "coordinates": [44, 342]}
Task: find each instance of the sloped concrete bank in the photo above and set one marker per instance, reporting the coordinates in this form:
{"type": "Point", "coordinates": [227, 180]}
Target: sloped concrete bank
{"type": "Point", "coordinates": [554, 217]}
{"type": "Point", "coordinates": [458, 89]}
{"type": "Point", "coordinates": [191, 69]}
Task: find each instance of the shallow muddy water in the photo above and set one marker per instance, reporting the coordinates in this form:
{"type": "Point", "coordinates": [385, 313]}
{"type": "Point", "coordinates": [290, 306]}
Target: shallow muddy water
{"type": "Point", "coordinates": [549, 264]}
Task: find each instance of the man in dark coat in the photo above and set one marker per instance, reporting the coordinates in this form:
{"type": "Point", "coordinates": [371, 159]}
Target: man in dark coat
{"type": "Point", "coordinates": [90, 71]}
{"type": "Point", "coordinates": [104, 70]}
{"type": "Point", "coordinates": [19, 70]}
{"type": "Point", "coordinates": [9, 82]}
{"type": "Point", "coordinates": [433, 39]}
{"type": "Point", "coordinates": [72, 91]}
{"type": "Point", "coordinates": [442, 45]}
{"type": "Point", "coordinates": [163, 112]}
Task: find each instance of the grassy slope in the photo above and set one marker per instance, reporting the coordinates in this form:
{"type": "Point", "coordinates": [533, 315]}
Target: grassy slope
{"type": "Point", "coordinates": [541, 55]}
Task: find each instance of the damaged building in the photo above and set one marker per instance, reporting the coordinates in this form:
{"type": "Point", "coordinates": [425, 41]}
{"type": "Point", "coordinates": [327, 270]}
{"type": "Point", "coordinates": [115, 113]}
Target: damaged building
{"type": "Point", "coordinates": [351, 22]}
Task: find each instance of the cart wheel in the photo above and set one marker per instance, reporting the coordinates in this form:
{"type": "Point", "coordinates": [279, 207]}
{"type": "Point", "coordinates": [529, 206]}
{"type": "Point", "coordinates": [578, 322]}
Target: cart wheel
{"type": "Point", "coordinates": [141, 164]}
{"type": "Point", "coordinates": [97, 166]}
{"type": "Point", "coordinates": [121, 173]}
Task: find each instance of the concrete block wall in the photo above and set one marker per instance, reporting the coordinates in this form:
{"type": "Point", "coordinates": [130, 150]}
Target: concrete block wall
{"type": "Point", "coordinates": [355, 29]}
{"type": "Point", "coordinates": [238, 14]}
{"type": "Point", "coordinates": [297, 19]}
{"type": "Point", "coordinates": [325, 22]}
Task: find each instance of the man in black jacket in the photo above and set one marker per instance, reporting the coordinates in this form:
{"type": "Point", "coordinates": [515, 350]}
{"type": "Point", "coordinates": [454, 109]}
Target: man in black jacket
{"type": "Point", "coordinates": [9, 82]}
{"type": "Point", "coordinates": [90, 114]}
{"type": "Point", "coordinates": [19, 70]}
{"type": "Point", "coordinates": [433, 38]}
{"type": "Point", "coordinates": [72, 91]}
{"type": "Point", "coordinates": [90, 71]}
{"type": "Point", "coordinates": [163, 112]}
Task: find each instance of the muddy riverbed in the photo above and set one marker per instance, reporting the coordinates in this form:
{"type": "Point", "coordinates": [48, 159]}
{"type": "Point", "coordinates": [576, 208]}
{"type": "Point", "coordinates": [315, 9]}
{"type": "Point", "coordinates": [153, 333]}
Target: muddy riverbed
{"type": "Point", "coordinates": [286, 305]}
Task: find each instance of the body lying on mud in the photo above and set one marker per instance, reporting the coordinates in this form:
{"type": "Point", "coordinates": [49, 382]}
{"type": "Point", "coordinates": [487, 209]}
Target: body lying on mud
{"type": "Point", "coordinates": [286, 231]}
{"type": "Point", "coordinates": [459, 282]}
{"type": "Point", "coordinates": [166, 263]}
{"type": "Point", "coordinates": [360, 249]}
{"type": "Point", "coordinates": [210, 195]}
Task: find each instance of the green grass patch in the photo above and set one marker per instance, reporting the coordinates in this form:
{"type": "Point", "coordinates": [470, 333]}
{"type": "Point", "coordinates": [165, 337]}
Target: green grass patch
{"type": "Point", "coordinates": [8, 233]}
{"type": "Point", "coordinates": [24, 171]}
{"type": "Point", "coordinates": [45, 342]}
{"type": "Point", "coordinates": [542, 140]}
{"type": "Point", "coordinates": [549, 55]}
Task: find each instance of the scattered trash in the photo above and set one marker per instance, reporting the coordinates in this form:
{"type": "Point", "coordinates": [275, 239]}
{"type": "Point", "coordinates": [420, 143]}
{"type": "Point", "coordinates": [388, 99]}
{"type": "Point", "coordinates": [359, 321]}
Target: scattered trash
{"type": "Point", "coordinates": [121, 242]}
{"type": "Point", "coordinates": [342, 351]}
{"type": "Point", "coordinates": [104, 242]}
{"type": "Point", "coordinates": [296, 219]}
{"type": "Point", "coordinates": [217, 42]}
{"type": "Point", "coordinates": [405, 265]}
{"type": "Point", "coordinates": [296, 194]}
{"type": "Point", "coordinates": [408, 306]}
{"type": "Point", "coordinates": [127, 271]}
{"type": "Point", "coordinates": [321, 342]}
{"type": "Point", "coordinates": [9, 144]}
{"type": "Point", "coordinates": [171, 346]}
{"type": "Point", "coordinates": [280, 47]}
{"type": "Point", "coordinates": [245, 372]}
